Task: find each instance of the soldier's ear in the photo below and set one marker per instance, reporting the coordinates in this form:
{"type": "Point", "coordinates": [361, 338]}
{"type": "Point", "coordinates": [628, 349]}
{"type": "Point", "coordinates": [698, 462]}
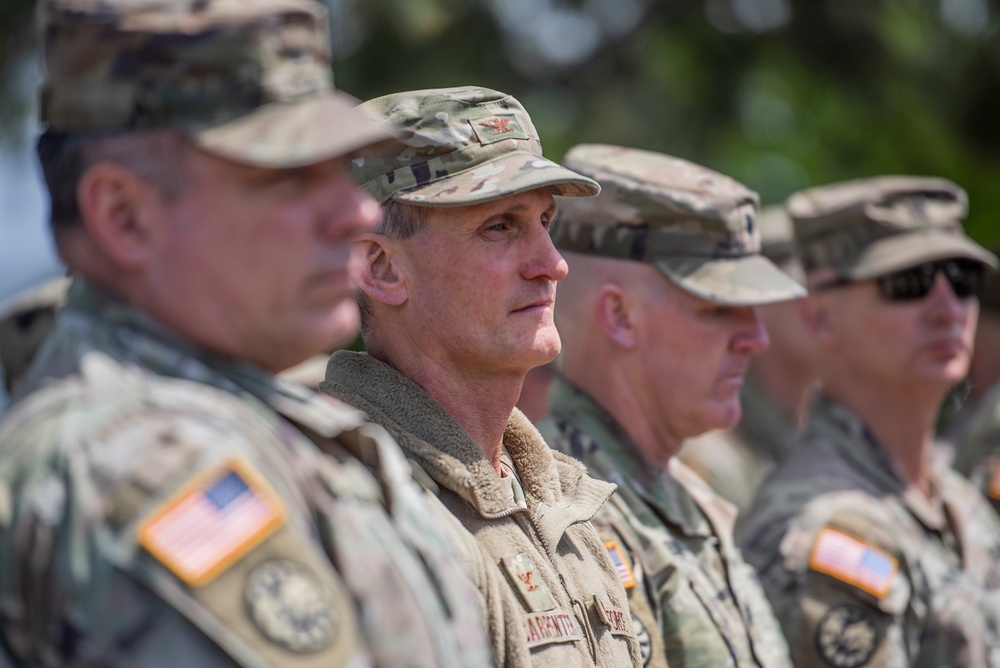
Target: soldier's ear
{"type": "Point", "coordinates": [615, 315]}
{"type": "Point", "coordinates": [115, 207]}
{"type": "Point", "coordinates": [378, 269]}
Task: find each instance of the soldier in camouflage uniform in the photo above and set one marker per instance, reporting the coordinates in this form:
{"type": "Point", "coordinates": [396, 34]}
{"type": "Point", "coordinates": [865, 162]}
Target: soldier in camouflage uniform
{"type": "Point", "coordinates": [873, 553]}
{"type": "Point", "coordinates": [776, 392]}
{"type": "Point", "coordinates": [25, 320]}
{"type": "Point", "coordinates": [456, 298]}
{"type": "Point", "coordinates": [665, 268]}
{"type": "Point", "coordinates": [975, 432]}
{"type": "Point", "coordinates": [165, 500]}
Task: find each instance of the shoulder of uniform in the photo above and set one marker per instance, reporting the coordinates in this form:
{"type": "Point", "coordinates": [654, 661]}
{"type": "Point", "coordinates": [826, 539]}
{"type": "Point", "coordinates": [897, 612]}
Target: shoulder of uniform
{"type": "Point", "coordinates": [850, 538]}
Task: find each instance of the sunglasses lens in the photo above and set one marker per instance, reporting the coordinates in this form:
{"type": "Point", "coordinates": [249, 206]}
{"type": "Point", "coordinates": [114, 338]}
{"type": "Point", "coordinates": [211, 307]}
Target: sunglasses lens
{"type": "Point", "coordinates": [909, 284]}
{"type": "Point", "coordinates": [964, 276]}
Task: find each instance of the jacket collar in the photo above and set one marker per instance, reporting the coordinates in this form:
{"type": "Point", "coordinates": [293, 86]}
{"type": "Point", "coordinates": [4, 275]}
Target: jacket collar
{"type": "Point", "coordinates": [556, 488]}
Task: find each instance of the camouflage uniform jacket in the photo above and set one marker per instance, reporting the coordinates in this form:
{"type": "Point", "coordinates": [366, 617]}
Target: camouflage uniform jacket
{"type": "Point", "coordinates": [734, 462]}
{"type": "Point", "coordinates": [865, 571]}
{"type": "Point", "coordinates": [163, 506]}
{"type": "Point", "coordinates": [977, 447]}
{"type": "Point", "coordinates": [549, 591]}
{"type": "Point", "coordinates": [672, 537]}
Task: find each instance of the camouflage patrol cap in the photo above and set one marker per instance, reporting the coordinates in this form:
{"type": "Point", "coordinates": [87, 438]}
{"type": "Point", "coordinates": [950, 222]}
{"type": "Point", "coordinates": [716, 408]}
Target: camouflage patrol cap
{"type": "Point", "coordinates": [248, 80]}
{"type": "Point", "coordinates": [461, 146]}
{"type": "Point", "coordinates": [866, 228]}
{"type": "Point", "coordinates": [696, 226]}
{"type": "Point", "coordinates": [777, 241]}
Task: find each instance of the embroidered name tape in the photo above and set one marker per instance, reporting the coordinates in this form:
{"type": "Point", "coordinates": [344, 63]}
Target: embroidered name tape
{"type": "Point", "coordinates": [621, 564]}
{"type": "Point", "coordinates": [616, 619]}
{"type": "Point", "coordinates": [211, 522]}
{"type": "Point", "coordinates": [854, 561]}
{"type": "Point", "coordinates": [543, 628]}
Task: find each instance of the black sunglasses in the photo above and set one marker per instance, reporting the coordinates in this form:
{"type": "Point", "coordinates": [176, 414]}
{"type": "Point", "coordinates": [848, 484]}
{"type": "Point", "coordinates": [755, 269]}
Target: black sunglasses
{"type": "Point", "coordinates": [964, 276]}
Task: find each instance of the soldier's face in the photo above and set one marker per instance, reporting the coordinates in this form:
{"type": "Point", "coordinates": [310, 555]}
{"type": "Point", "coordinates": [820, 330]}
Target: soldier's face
{"type": "Point", "coordinates": [482, 285]}
{"type": "Point", "coordinates": [695, 354]}
{"type": "Point", "coordinates": [254, 262]}
{"type": "Point", "coordinates": [910, 346]}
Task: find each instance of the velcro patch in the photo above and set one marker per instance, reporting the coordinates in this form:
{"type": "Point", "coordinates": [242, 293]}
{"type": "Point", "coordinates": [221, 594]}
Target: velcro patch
{"type": "Point", "coordinates": [545, 628]}
{"type": "Point", "coordinates": [994, 488]}
{"type": "Point", "coordinates": [616, 619]}
{"type": "Point", "coordinates": [497, 128]}
{"type": "Point", "coordinates": [625, 573]}
{"type": "Point", "coordinates": [211, 522]}
{"type": "Point", "coordinates": [854, 561]}
{"type": "Point", "coordinates": [529, 582]}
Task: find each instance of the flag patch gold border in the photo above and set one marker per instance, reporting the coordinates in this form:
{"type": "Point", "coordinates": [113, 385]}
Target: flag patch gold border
{"type": "Point", "coordinates": [166, 532]}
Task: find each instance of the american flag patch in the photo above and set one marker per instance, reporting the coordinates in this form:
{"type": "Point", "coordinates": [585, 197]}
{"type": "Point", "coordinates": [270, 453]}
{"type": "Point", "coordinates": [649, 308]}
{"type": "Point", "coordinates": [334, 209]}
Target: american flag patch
{"type": "Point", "coordinates": [211, 522]}
{"type": "Point", "coordinates": [854, 561]}
{"type": "Point", "coordinates": [618, 559]}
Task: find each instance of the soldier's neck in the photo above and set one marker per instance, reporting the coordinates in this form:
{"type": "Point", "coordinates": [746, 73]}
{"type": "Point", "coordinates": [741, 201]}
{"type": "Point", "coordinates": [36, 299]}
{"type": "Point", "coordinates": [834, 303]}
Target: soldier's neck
{"type": "Point", "coordinates": [789, 388]}
{"type": "Point", "coordinates": [901, 423]}
{"type": "Point", "coordinates": [480, 403]}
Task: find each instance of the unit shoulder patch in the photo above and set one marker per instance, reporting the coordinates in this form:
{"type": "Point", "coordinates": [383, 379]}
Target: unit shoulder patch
{"type": "Point", "coordinates": [211, 522]}
{"type": "Point", "coordinates": [285, 601]}
{"type": "Point", "coordinates": [622, 567]}
{"type": "Point", "coordinates": [846, 636]}
{"type": "Point", "coordinates": [854, 561]}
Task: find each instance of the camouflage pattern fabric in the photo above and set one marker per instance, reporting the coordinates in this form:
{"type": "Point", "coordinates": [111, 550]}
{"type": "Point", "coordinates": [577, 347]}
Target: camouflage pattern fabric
{"type": "Point", "coordinates": [461, 146]}
{"type": "Point", "coordinates": [695, 225]}
{"type": "Point", "coordinates": [977, 448]}
{"type": "Point", "coordinates": [248, 80]}
{"type": "Point", "coordinates": [734, 462]}
{"type": "Point", "coordinates": [25, 321]}
{"type": "Point", "coordinates": [863, 571]}
{"type": "Point", "coordinates": [550, 594]}
{"type": "Point", "coordinates": [223, 516]}
{"type": "Point", "coordinates": [865, 228]}
{"type": "Point", "coordinates": [698, 600]}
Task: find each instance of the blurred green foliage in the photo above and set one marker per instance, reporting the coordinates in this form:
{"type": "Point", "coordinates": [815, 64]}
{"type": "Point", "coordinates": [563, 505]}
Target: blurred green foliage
{"type": "Point", "coordinates": [782, 94]}
{"type": "Point", "coordinates": [17, 39]}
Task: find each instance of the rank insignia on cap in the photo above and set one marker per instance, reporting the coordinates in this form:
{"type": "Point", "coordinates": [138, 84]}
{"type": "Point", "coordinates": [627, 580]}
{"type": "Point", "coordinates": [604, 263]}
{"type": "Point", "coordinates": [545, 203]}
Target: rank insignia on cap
{"type": "Point", "coordinates": [621, 564]}
{"type": "Point", "coordinates": [211, 522]}
{"type": "Point", "coordinates": [529, 583]}
{"type": "Point", "coordinates": [854, 561]}
{"type": "Point", "coordinates": [994, 488]}
{"type": "Point", "coordinates": [497, 128]}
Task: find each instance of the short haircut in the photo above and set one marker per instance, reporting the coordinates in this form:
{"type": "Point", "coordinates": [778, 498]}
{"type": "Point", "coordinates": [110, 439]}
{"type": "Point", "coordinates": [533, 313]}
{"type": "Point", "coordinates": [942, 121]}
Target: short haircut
{"type": "Point", "coordinates": [399, 221]}
{"type": "Point", "coordinates": [65, 157]}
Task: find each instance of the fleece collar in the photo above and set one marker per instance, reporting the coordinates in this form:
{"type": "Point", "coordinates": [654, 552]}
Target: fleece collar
{"type": "Point", "coordinates": [557, 490]}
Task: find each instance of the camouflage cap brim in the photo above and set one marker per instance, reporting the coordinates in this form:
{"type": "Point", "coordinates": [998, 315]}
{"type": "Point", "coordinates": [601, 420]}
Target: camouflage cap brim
{"type": "Point", "coordinates": [901, 251]}
{"type": "Point", "coordinates": [751, 280]}
{"type": "Point", "coordinates": [296, 134]}
{"type": "Point", "coordinates": [508, 174]}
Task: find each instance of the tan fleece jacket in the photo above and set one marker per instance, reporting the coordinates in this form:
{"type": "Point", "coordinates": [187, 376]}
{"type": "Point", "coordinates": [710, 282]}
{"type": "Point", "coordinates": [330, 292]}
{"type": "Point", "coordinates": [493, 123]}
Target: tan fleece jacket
{"type": "Point", "coordinates": [548, 588]}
